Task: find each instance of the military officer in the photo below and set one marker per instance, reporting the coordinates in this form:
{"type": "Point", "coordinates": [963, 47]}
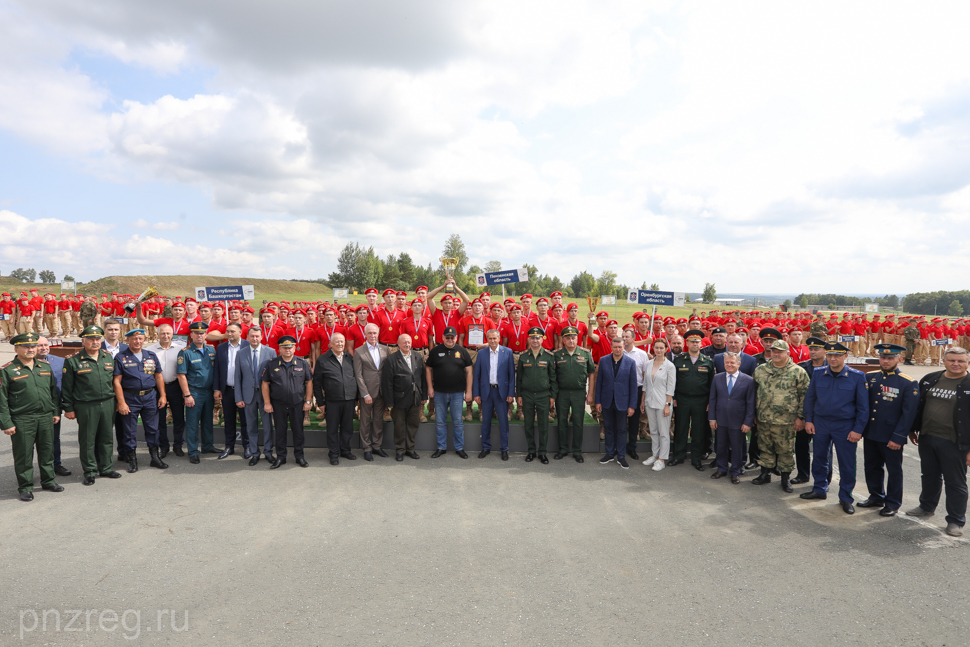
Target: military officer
{"type": "Point", "coordinates": [29, 407]}
{"type": "Point", "coordinates": [912, 336]}
{"type": "Point", "coordinates": [695, 374]}
{"type": "Point", "coordinates": [195, 367]}
{"type": "Point", "coordinates": [893, 402]}
{"type": "Point", "coordinates": [536, 390]}
{"type": "Point", "coordinates": [836, 412]}
{"type": "Point", "coordinates": [287, 385]}
{"type": "Point", "coordinates": [803, 439]}
{"type": "Point", "coordinates": [88, 312]}
{"type": "Point", "coordinates": [137, 382]}
{"type": "Point", "coordinates": [575, 372]}
{"type": "Point", "coordinates": [87, 395]}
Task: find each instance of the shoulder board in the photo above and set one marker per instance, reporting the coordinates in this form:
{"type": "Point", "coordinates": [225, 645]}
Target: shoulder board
{"type": "Point", "coordinates": [43, 360]}
{"type": "Point", "coordinates": [907, 377]}
{"type": "Point", "coordinates": [6, 365]}
{"type": "Point", "coordinates": [855, 370]}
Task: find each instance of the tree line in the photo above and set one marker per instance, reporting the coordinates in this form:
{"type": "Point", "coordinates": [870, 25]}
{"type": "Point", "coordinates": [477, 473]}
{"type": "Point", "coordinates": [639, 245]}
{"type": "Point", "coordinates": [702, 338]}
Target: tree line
{"type": "Point", "coordinates": [953, 304]}
{"type": "Point", "coordinates": [804, 300]}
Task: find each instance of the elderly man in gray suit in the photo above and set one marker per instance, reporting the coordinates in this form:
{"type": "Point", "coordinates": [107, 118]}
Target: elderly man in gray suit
{"type": "Point", "coordinates": [248, 377]}
{"type": "Point", "coordinates": [369, 362]}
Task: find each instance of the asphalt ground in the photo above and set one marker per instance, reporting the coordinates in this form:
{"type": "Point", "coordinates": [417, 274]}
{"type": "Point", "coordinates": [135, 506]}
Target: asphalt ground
{"type": "Point", "coordinates": [465, 552]}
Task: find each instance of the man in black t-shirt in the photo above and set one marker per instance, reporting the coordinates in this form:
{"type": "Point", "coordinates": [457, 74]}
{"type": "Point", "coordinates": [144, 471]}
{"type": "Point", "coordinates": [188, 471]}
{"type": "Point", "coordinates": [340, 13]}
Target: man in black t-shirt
{"type": "Point", "coordinates": [449, 372]}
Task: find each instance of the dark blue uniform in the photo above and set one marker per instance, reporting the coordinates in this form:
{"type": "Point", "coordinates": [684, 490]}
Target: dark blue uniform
{"type": "Point", "coordinates": [198, 367]}
{"type": "Point", "coordinates": [138, 385]}
{"type": "Point", "coordinates": [836, 403]}
{"type": "Point", "coordinates": [893, 401]}
{"type": "Point", "coordinates": [803, 439]}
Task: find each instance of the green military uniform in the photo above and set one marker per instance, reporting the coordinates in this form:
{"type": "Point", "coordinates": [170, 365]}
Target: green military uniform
{"type": "Point", "coordinates": [912, 336]}
{"type": "Point", "coordinates": [87, 390]}
{"type": "Point", "coordinates": [535, 383]}
{"type": "Point", "coordinates": [88, 313]}
{"type": "Point", "coordinates": [29, 402]}
{"type": "Point", "coordinates": [572, 377]}
{"type": "Point", "coordinates": [780, 396]}
{"type": "Point", "coordinates": [692, 394]}
{"type": "Point", "coordinates": [819, 329]}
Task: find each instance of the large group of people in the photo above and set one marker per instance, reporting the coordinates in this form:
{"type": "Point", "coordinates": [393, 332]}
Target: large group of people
{"type": "Point", "coordinates": [732, 391]}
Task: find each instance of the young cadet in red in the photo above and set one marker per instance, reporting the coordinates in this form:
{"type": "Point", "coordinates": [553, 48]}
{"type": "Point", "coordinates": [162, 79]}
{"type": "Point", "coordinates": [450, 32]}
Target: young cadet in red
{"type": "Point", "coordinates": [386, 317]}
{"type": "Point", "coordinates": [270, 329]}
{"type": "Point", "coordinates": [598, 338]}
{"type": "Point", "coordinates": [476, 322]}
{"type": "Point", "coordinates": [550, 327]}
{"type": "Point", "coordinates": [355, 331]}
{"type": "Point", "coordinates": [178, 322]}
{"type": "Point", "coordinates": [418, 326]}
{"type": "Point", "coordinates": [497, 314]}
{"type": "Point", "coordinates": [444, 317]}
{"type": "Point", "coordinates": [325, 331]}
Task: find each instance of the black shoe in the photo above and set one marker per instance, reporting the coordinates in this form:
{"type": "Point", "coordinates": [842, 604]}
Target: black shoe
{"type": "Point", "coordinates": [505, 456]}
{"type": "Point", "coordinates": [705, 456]}
{"type": "Point", "coordinates": [302, 462]}
{"type": "Point", "coordinates": [847, 507]}
{"type": "Point", "coordinates": [751, 466]}
{"type": "Point", "coordinates": [254, 460]}
{"type": "Point", "coordinates": [53, 487]}
{"type": "Point", "coordinates": [26, 496]}
{"type": "Point", "coordinates": [399, 456]}
{"type": "Point", "coordinates": [699, 467]}
{"type": "Point", "coordinates": [88, 480]}
{"type": "Point", "coordinates": [156, 461]}
{"type": "Point", "coordinates": [195, 459]}
{"type": "Point", "coordinates": [632, 453]}
{"type": "Point", "coordinates": [60, 470]}
{"type": "Point", "coordinates": [270, 458]}
{"type": "Point", "coordinates": [888, 512]}
{"type": "Point", "coordinates": [579, 458]}
{"type": "Point", "coordinates": [277, 463]}
{"type": "Point", "coordinates": [558, 456]}
{"type": "Point", "coordinates": [210, 451]}
{"type": "Point", "coordinates": [132, 463]}
{"type": "Point", "coordinates": [765, 477]}
{"type": "Point", "coordinates": [712, 464]}
{"type": "Point", "coordinates": [813, 495]}
{"type": "Point", "coordinates": [438, 452]}
{"type": "Point", "coordinates": [675, 461]}
{"type": "Point", "coordinates": [412, 454]}
{"type": "Point", "coordinates": [162, 453]}
{"type": "Point", "coordinates": [368, 456]}
{"type": "Point", "coordinates": [110, 475]}
{"type": "Point", "coordinates": [179, 451]}
{"type": "Point", "coordinates": [606, 459]}
{"type": "Point", "coordinates": [461, 453]}
{"type": "Point", "coordinates": [544, 459]}
{"type": "Point", "coordinates": [484, 453]}
{"type": "Point", "coordinates": [798, 480]}
{"type": "Point", "coordinates": [530, 457]}
{"type": "Point", "coordinates": [122, 457]}
{"type": "Point", "coordinates": [871, 502]}
{"type": "Point", "coordinates": [228, 451]}
{"type": "Point", "coordinates": [785, 483]}
{"type": "Point", "coordinates": [381, 453]}
{"type": "Point", "coordinates": [717, 475]}
{"type": "Point", "coordinates": [348, 455]}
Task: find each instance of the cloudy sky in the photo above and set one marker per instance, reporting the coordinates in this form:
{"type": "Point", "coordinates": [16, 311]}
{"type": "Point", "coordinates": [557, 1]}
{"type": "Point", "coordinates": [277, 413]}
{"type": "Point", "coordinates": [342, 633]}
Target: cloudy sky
{"type": "Point", "coordinates": [762, 146]}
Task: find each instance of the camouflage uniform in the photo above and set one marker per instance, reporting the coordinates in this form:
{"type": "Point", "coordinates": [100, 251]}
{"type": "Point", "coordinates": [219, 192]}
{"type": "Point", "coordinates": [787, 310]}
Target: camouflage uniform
{"type": "Point", "coordinates": [819, 329]}
{"type": "Point", "coordinates": [780, 396]}
{"type": "Point", "coordinates": [912, 336]}
{"type": "Point", "coordinates": [89, 312]}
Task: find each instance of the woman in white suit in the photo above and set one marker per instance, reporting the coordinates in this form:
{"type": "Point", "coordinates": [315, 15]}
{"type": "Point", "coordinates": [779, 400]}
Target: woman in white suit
{"type": "Point", "coordinates": [658, 394]}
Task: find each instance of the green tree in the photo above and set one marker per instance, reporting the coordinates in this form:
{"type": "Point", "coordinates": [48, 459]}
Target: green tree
{"type": "Point", "coordinates": [24, 276]}
{"type": "Point", "coordinates": [454, 248]}
{"type": "Point", "coordinates": [48, 277]}
{"type": "Point", "coordinates": [68, 277]}
{"type": "Point", "coordinates": [710, 293]}
{"type": "Point", "coordinates": [405, 267]}
{"type": "Point", "coordinates": [955, 309]}
{"type": "Point", "coordinates": [787, 304]}
{"type": "Point", "coordinates": [654, 287]}
{"type": "Point", "coordinates": [606, 284]}
{"type": "Point", "coordinates": [803, 301]}
{"type": "Point", "coordinates": [583, 285]}
{"type": "Point", "coordinates": [493, 266]}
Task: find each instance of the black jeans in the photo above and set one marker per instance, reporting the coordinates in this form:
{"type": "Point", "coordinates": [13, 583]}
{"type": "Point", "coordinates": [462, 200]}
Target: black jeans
{"type": "Point", "coordinates": [340, 426]}
{"type": "Point", "coordinates": [294, 413]}
{"type": "Point", "coordinates": [229, 412]}
{"type": "Point", "coordinates": [633, 424]}
{"type": "Point", "coordinates": [943, 465]}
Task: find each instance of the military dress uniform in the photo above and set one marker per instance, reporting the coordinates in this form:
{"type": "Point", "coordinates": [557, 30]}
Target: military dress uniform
{"type": "Point", "coordinates": [287, 394]}
{"type": "Point", "coordinates": [803, 439]}
{"type": "Point", "coordinates": [837, 404]}
{"type": "Point", "coordinates": [572, 377]}
{"type": "Point", "coordinates": [138, 386]}
{"type": "Point", "coordinates": [692, 394]}
{"type": "Point", "coordinates": [29, 402]}
{"type": "Point", "coordinates": [198, 366]}
{"type": "Point", "coordinates": [893, 402]}
{"type": "Point", "coordinates": [535, 383]}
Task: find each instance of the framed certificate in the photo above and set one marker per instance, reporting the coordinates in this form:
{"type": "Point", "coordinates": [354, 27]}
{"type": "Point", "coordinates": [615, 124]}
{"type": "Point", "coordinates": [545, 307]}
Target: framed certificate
{"type": "Point", "coordinates": [476, 335]}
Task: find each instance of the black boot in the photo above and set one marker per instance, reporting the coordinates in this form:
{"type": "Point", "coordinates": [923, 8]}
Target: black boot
{"type": "Point", "coordinates": [156, 459]}
{"type": "Point", "coordinates": [132, 463]}
{"type": "Point", "coordinates": [785, 483]}
{"type": "Point", "coordinates": [764, 478]}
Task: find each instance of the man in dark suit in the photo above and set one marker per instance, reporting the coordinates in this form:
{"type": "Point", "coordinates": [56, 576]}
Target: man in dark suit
{"type": "Point", "coordinates": [493, 386]}
{"type": "Point", "coordinates": [335, 387]}
{"type": "Point", "coordinates": [734, 345]}
{"type": "Point", "coordinates": [616, 399]}
{"type": "Point", "coordinates": [224, 387]}
{"type": "Point", "coordinates": [731, 412]}
{"type": "Point", "coordinates": [249, 395]}
{"type": "Point", "coordinates": [405, 388]}
{"type": "Point", "coordinates": [113, 345]}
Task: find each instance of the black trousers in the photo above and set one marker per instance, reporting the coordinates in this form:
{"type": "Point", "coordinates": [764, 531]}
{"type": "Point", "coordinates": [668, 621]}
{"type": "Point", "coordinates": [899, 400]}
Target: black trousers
{"type": "Point", "coordinates": [340, 426]}
{"type": "Point", "coordinates": [943, 465]}
{"type": "Point", "coordinates": [294, 413]}
{"type": "Point", "coordinates": [229, 412]}
{"type": "Point", "coordinates": [633, 424]}
{"type": "Point", "coordinates": [878, 455]}
{"type": "Point", "coordinates": [803, 456]}
{"type": "Point", "coordinates": [173, 393]}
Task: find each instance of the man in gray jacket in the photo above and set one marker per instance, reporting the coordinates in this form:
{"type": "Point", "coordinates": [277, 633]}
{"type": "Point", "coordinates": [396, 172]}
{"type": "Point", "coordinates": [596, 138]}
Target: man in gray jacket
{"type": "Point", "coordinates": [335, 388]}
{"type": "Point", "coordinates": [248, 379]}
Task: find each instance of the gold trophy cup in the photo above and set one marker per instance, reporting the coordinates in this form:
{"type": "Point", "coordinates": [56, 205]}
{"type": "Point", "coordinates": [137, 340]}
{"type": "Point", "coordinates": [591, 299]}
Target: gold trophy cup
{"type": "Point", "coordinates": [592, 303]}
{"type": "Point", "coordinates": [143, 297]}
{"type": "Point", "coordinates": [450, 264]}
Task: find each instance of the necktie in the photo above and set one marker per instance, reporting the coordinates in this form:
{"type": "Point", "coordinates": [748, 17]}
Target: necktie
{"type": "Point", "coordinates": [255, 354]}
{"type": "Point", "coordinates": [730, 383]}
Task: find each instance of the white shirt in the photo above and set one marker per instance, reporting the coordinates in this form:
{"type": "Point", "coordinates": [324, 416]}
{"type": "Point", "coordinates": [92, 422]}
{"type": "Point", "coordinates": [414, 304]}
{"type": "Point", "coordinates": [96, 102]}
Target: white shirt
{"type": "Point", "coordinates": [167, 358]}
{"type": "Point", "coordinates": [732, 379]}
{"type": "Point", "coordinates": [375, 354]}
{"type": "Point", "coordinates": [114, 350]}
{"type": "Point", "coordinates": [231, 368]}
{"type": "Point", "coordinates": [493, 366]}
{"type": "Point", "coordinates": [640, 358]}
{"type": "Point", "coordinates": [407, 359]}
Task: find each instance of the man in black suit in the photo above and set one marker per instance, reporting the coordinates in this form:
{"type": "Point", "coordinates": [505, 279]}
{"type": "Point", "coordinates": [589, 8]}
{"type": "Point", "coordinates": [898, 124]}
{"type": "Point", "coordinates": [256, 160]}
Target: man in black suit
{"type": "Point", "coordinates": [731, 411]}
{"type": "Point", "coordinates": [405, 388]}
{"type": "Point", "coordinates": [224, 387]}
{"type": "Point", "coordinates": [335, 387]}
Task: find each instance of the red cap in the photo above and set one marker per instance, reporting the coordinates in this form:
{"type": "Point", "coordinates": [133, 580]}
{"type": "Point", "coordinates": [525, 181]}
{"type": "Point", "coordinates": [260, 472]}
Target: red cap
{"type": "Point", "coordinates": [542, 300]}
{"type": "Point", "coordinates": [421, 287]}
{"type": "Point", "coordinates": [524, 296]}
{"type": "Point", "coordinates": [602, 313]}
{"type": "Point", "coordinates": [572, 306]}
{"type": "Point", "coordinates": [388, 291]}
{"type": "Point", "coordinates": [557, 293]}
{"type": "Point", "coordinates": [371, 291]}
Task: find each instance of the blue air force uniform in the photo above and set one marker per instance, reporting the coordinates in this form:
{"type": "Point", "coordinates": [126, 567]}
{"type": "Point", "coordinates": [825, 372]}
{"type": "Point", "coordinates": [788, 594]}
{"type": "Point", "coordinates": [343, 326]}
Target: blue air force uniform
{"type": "Point", "coordinates": [893, 402]}
{"type": "Point", "coordinates": [198, 366]}
{"type": "Point", "coordinates": [836, 403]}
{"type": "Point", "coordinates": [138, 384]}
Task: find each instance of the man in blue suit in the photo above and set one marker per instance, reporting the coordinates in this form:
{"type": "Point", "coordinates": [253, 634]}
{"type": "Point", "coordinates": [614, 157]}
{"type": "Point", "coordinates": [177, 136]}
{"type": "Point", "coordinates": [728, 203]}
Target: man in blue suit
{"type": "Point", "coordinates": [616, 399]}
{"type": "Point", "coordinates": [748, 363]}
{"type": "Point", "coordinates": [224, 389]}
{"type": "Point", "coordinates": [493, 387]}
{"type": "Point", "coordinates": [731, 411]}
{"type": "Point", "coordinates": [57, 368]}
{"type": "Point", "coordinates": [249, 396]}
